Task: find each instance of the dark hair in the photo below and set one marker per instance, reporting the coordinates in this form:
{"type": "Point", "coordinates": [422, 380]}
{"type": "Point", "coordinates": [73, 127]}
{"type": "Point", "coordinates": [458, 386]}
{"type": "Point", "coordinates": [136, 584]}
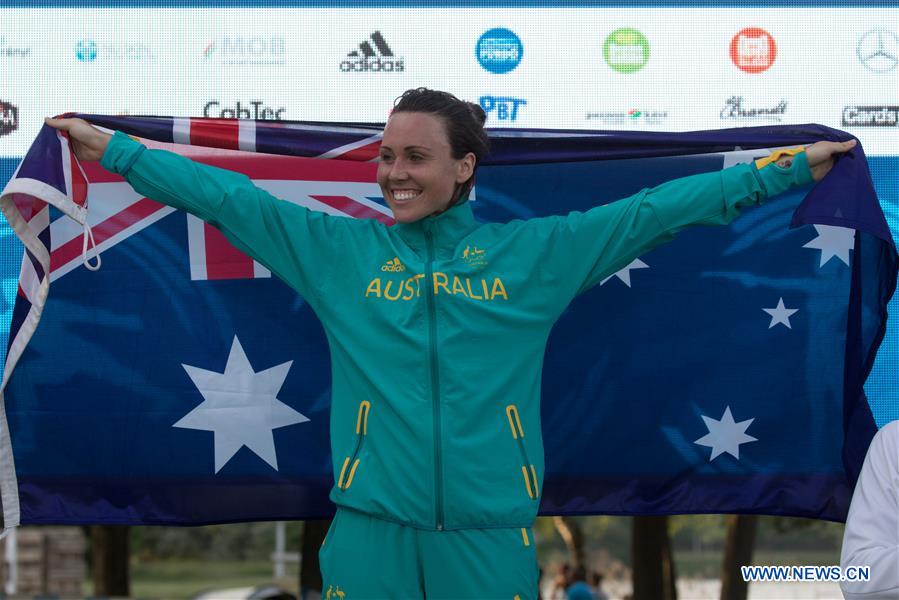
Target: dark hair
{"type": "Point", "coordinates": [464, 122]}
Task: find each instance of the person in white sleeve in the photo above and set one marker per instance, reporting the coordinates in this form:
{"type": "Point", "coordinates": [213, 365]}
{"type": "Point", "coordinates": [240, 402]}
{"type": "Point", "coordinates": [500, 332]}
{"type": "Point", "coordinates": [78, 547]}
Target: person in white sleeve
{"type": "Point", "coordinates": [871, 537]}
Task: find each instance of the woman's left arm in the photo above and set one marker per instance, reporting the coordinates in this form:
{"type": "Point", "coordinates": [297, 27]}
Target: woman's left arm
{"type": "Point", "coordinates": [610, 236]}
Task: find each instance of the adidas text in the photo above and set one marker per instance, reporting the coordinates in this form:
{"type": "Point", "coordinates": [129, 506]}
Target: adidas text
{"type": "Point", "coordinates": [374, 65]}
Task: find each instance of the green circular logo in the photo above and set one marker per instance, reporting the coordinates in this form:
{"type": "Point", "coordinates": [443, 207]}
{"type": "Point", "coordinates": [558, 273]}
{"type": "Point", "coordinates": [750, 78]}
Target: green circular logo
{"type": "Point", "coordinates": [626, 50]}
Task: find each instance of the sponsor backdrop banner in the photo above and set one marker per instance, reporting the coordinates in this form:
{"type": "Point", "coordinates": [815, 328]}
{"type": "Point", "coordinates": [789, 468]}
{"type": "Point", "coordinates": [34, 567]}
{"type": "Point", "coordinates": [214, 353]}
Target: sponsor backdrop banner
{"type": "Point", "coordinates": [631, 67]}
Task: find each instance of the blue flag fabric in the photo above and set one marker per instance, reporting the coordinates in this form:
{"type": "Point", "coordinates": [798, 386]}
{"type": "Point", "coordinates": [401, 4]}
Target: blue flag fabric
{"type": "Point", "coordinates": [721, 372]}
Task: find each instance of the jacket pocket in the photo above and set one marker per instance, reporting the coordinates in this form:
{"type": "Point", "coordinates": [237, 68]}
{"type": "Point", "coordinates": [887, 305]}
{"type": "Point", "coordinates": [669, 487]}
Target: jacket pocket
{"type": "Point", "coordinates": [528, 472]}
{"type": "Point", "coordinates": [352, 461]}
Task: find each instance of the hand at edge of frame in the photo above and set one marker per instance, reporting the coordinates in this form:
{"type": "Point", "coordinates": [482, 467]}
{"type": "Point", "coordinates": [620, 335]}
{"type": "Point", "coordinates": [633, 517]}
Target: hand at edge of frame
{"type": "Point", "coordinates": [88, 142]}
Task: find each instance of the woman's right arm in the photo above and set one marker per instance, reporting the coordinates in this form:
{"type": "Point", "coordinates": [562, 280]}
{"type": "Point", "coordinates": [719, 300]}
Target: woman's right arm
{"type": "Point", "coordinates": [281, 235]}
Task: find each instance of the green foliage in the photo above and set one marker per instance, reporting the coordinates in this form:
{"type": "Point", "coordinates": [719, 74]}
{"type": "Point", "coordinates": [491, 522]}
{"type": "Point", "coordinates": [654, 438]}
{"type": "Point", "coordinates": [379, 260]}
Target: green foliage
{"type": "Point", "coordinates": [698, 542]}
{"type": "Point", "coordinates": [185, 579]}
{"type": "Point", "coordinates": [697, 533]}
{"type": "Point", "coordinates": [240, 541]}
{"type": "Point", "coordinates": [800, 534]}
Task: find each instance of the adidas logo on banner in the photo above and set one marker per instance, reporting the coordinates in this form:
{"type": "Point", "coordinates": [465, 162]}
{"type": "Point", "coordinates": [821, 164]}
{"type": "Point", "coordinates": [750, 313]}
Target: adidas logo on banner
{"type": "Point", "coordinates": [393, 265]}
{"type": "Point", "coordinates": [374, 56]}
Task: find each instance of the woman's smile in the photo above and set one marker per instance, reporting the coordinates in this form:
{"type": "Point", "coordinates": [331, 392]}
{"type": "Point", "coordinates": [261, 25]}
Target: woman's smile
{"type": "Point", "coordinates": [405, 195]}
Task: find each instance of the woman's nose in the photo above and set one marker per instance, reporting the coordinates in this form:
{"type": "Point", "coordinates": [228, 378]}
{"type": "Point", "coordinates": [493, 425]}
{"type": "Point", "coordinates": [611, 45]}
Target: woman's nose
{"type": "Point", "coordinates": [398, 171]}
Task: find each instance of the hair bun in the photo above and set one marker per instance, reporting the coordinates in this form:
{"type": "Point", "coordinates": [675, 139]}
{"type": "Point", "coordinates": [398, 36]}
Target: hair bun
{"type": "Point", "coordinates": [477, 111]}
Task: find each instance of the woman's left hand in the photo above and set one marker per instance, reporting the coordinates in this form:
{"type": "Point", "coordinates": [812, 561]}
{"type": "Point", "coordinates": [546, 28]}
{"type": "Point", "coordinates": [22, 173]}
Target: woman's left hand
{"type": "Point", "coordinates": [821, 156]}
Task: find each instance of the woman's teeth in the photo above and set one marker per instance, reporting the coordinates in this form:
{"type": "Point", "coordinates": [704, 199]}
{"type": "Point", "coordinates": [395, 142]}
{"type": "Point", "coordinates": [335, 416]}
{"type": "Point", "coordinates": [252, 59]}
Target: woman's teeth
{"type": "Point", "coordinates": [403, 196]}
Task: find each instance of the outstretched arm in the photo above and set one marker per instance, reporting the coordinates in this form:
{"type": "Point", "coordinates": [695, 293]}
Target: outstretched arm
{"type": "Point", "coordinates": [601, 241]}
{"type": "Point", "coordinates": [281, 235]}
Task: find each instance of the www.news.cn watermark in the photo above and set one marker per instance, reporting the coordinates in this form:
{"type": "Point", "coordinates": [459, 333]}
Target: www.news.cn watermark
{"type": "Point", "coordinates": [806, 573]}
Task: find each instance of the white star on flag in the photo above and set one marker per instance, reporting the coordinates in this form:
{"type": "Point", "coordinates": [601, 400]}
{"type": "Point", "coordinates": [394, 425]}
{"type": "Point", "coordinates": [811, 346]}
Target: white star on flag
{"type": "Point", "coordinates": [241, 407]}
{"type": "Point", "coordinates": [625, 273]}
{"type": "Point", "coordinates": [780, 314]}
{"type": "Point", "coordinates": [725, 435]}
{"type": "Point", "coordinates": [833, 241]}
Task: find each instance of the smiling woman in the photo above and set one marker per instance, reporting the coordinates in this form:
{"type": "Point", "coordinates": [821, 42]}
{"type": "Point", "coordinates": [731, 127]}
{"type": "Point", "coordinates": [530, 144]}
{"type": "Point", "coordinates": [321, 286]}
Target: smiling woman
{"type": "Point", "coordinates": [437, 330]}
{"type": "Point", "coordinates": [432, 145]}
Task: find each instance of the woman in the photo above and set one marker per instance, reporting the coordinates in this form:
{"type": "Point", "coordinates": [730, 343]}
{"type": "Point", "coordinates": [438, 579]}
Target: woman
{"type": "Point", "coordinates": [437, 328]}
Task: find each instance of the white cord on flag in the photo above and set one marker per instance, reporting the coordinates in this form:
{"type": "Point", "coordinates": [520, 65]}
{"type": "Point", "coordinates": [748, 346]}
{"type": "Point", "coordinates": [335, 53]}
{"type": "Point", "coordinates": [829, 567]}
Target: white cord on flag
{"type": "Point", "coordinates": [88, 233]}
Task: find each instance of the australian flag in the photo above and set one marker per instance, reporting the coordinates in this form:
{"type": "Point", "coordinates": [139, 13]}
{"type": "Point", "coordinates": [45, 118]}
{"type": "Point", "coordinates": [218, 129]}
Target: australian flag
{"type": "Point", "coordinates": [157, 375]}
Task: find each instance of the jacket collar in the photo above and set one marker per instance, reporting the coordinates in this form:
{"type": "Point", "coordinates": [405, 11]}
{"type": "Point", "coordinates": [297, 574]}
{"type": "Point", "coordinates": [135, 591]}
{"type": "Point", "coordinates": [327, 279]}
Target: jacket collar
{"type": "Point", "coordinates": [446, 230]}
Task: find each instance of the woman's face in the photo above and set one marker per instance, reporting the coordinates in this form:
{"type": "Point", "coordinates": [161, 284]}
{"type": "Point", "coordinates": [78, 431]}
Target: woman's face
{"type": "Point", "coordinates": [417, 172]}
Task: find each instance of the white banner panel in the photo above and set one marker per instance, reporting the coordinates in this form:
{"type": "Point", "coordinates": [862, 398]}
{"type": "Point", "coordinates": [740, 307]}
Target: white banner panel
{"type": "Point", "coordinates": [672, 69]}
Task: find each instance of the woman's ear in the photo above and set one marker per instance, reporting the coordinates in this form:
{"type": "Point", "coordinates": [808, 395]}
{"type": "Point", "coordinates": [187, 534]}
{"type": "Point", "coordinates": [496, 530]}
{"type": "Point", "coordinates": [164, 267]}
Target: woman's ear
{"type": "Point", "coordinates": [465, 168]}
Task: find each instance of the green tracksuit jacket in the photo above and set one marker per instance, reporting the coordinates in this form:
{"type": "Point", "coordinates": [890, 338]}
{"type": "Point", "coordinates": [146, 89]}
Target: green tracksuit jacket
{"type": "Point", "coordinates": [437, 328]}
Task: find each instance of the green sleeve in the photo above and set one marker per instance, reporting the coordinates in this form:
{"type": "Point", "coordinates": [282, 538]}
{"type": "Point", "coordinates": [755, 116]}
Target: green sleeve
{"type": "Point", "coordinates": [599, 242]}
{"type": "Point", "coordinates": [290, 240]}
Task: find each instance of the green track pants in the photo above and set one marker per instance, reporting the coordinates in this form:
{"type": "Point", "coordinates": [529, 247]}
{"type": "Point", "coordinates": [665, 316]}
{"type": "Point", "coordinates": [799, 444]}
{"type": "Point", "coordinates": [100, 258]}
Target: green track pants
{"type": "Point", "coordinates": [365, 558]}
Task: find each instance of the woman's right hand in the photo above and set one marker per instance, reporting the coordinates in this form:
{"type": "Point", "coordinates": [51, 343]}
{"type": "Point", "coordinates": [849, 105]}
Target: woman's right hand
{"type": "Point", "coordinates": [88, 142]}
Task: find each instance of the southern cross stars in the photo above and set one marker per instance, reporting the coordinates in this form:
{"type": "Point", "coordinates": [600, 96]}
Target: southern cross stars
{"type": "Point", "coordinates": [625, 273]}
{"type": "Point", "coordinates": [833, 241]}
{"type": "Point", "coordinates": [241, 407]}
{"type": "Point", "coordinates": [780, 314]}
{"type": "Point", "coordinates": [725, 435]}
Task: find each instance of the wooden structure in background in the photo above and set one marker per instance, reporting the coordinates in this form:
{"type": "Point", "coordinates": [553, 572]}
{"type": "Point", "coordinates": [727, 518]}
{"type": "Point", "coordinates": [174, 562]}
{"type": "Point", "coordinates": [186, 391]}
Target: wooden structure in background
{"type": "Point", "coordinates": [48, 561]}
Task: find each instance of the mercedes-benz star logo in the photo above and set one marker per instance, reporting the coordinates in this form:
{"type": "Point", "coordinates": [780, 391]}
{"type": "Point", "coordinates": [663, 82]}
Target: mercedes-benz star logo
{"type": "Point", "coordinates": [878, 50]}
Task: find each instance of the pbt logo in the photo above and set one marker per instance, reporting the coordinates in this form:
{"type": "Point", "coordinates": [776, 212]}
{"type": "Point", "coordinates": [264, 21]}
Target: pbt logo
{"type": "Point", "coordinates": [236, 50]}
{"type": "Point", "coordinates": [499, 50]}
{"type": "Point", "coordinates": [505, 107]}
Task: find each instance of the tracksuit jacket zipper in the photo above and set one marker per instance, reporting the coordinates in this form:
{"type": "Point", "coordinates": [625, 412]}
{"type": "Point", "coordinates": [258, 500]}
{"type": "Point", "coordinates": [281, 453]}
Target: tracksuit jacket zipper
{"type": "Point", "coordinates": [435, 379]}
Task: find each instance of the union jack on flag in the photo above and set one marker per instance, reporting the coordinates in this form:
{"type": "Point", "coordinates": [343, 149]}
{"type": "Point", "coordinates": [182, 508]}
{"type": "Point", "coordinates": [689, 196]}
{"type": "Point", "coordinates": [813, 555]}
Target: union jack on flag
{"type": "Point", "coordinates": [97, 384]}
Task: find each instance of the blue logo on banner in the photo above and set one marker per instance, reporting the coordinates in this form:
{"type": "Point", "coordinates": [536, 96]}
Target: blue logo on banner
{"type": "Point", "coordinates": [505, 108]}
{"type": "Point", "coordinates": [86, 50]}
{"type": "Point", "coordinates": [499, 50]}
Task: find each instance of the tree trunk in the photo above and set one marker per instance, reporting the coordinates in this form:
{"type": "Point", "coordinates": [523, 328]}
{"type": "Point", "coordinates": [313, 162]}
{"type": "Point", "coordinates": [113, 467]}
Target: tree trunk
{"type": "Point", "coordinates": [654, 575]}
{"type": "Point", "coordinates": [310, 571]}
{"type": "Point", "coordinates": [573, 535]}
{"type": "Point", "coordinates": [738, 548]}
{"type": "Point", "coordinates": [111, 549]}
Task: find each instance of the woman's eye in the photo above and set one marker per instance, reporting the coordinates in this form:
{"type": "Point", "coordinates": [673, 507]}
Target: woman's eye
{"type": "Point", "coordinates": [416, 157]}
{"type": "Point", "coordinates": [385, 158]}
